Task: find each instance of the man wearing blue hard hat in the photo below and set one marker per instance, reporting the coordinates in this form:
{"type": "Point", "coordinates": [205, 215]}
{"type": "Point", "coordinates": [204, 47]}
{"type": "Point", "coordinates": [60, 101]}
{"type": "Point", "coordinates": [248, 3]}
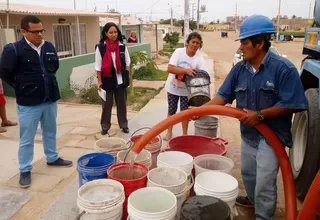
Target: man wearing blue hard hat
{"type": "Point", "coordinates": [268, 88]}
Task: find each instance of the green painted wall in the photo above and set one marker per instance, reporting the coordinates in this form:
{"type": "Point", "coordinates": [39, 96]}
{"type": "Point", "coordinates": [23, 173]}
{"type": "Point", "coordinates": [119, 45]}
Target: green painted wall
{"type": "Point", "coordinates": [67, 65]}
{"type": "Point", "coordinates": [140, 47]}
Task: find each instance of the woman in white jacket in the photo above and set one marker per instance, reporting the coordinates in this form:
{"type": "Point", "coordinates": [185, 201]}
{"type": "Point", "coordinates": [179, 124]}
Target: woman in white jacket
{"type": "Point", "coordinates": [184, 61]}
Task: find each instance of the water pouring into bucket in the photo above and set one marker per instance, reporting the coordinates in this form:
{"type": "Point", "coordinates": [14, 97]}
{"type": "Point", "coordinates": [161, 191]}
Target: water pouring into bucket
{"type": "Point", "coordinates": [154, 147]}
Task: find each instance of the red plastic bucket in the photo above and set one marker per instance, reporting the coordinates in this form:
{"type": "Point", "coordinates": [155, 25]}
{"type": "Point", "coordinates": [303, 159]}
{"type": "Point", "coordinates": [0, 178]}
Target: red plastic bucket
{"type": "Point", "coordinates": [196, 145]}
{"type": "Point", "coordinates": [119, 172]}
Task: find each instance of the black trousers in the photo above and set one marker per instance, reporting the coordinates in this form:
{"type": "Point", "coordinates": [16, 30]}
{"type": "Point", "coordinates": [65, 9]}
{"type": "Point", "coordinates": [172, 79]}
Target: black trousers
{"type": "Point", "coordinates": [120, 96]}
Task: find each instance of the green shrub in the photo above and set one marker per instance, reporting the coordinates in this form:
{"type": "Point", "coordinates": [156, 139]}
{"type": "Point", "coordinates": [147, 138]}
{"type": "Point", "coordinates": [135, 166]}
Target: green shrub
{"type": "Point", "coordinates": [151, 74]}
{"type": "Point", "coordinates": [172, 39]}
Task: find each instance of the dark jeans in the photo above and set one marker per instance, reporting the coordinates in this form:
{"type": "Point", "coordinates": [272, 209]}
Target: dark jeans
{"type": "Point", "coordinates": [120, 96]}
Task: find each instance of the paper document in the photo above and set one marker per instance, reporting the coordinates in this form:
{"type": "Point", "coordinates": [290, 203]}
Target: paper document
{"type": "Point", "coordinates": [102, 94]}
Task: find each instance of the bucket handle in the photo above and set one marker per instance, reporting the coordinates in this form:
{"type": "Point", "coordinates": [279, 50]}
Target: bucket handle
{"type": "Point", "coordinates": [129, 148]}
{"type": "Point", "coordinates": [143, 128]}
{"type": "Point", "coordinates": [220, 141]}
{"type": "Point", "coordinates": [191, 184]}
{"type": "Point", "coordinates": [80, 215]}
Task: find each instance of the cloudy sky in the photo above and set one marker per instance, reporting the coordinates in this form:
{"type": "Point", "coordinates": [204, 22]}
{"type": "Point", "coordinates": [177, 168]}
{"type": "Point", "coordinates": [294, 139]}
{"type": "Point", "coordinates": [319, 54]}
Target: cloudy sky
{"type": "Point", "coordinates": [157, 9]}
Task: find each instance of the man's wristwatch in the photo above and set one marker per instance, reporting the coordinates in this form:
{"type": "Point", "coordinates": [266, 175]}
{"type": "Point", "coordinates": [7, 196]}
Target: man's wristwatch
{"type": "Point", "coordinates": [260, 116]}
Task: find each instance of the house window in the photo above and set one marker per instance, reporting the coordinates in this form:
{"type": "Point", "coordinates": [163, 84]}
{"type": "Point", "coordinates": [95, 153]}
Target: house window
{"type": "Point", "coordinates": [83, 38]}
{"type": "Point", "coordinates": [128, 32]}
{"type": "Point", "coordinates": [66, 39]}
{"type": "Point", "coordinates": [62, 40]}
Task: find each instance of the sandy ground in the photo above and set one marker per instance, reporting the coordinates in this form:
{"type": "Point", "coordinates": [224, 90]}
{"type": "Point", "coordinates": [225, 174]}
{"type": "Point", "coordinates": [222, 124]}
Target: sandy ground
{"type": "Point", "coordinates": [222, 51]}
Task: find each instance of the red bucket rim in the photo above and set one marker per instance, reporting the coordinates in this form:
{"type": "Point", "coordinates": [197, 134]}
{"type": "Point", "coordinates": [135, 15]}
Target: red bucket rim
{"type": "Point", "coordinates": [222, 142]}
{"type": "Point", "coordinates": [124, 164]}
{"type": "Point", "coordinates": [136, 137]}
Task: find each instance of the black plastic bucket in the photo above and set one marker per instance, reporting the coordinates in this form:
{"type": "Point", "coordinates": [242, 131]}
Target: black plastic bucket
{"type": "Point", "coordinates": [199, 88]}
{"type": "Point", "coordinates": [205, 208]}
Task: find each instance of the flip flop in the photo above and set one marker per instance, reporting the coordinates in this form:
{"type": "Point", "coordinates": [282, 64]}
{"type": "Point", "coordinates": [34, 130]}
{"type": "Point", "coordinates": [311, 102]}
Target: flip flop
{"type": "Point", "coordinates": [2, 130]}
{"type": "Point", "coordinates": [9, 124]}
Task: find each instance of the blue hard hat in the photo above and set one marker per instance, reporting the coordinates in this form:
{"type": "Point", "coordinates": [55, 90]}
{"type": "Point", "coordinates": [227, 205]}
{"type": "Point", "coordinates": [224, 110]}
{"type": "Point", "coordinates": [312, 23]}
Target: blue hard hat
{"type": "Point", "coordinates": [256, 25]}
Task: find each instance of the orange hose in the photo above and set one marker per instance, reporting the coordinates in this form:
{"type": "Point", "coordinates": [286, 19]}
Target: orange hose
{"type": "Point", "coordinates": [288, 180]}
{"type": "Point", "coordinates": [311, 204]}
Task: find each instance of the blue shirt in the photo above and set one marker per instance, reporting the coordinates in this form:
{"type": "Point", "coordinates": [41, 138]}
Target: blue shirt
{"type": "Point", "coordinates": [275, 83]}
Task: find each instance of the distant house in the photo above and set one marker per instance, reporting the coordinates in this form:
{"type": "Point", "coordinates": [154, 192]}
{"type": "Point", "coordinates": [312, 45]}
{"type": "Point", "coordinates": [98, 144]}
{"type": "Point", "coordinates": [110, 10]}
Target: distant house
{"type": "Point", "coordinates": [291, 24]}
{"type": "Point", "coordinates": [128, 24]}
{"type": "Point", "coordinates": [60, 25]}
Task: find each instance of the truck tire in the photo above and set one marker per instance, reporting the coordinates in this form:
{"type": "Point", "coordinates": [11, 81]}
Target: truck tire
{"type": "Point", "coordinates": [305, 153]}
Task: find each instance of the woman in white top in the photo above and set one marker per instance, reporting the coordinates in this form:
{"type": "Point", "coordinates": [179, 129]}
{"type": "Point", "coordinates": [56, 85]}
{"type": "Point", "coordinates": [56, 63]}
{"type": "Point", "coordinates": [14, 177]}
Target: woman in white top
{"type": "Point", "coordinates": [184, 61]}
{"type": "Point", "coordinates": [112, 64]}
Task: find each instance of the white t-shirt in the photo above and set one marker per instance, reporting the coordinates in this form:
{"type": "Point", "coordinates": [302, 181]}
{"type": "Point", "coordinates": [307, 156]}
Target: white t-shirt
{"type": "Point", "coordinates": [180, 59]}
{"type": "Point", "coordinates": [98, 62]}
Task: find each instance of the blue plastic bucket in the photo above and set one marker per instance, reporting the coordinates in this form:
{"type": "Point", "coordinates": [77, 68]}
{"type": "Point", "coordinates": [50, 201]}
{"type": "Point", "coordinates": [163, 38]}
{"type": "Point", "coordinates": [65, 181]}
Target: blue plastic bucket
{"type": "Point", "coordinates": [94, 166]}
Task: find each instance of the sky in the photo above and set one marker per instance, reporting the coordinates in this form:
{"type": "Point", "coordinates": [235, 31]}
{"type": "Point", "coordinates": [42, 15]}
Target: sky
{"type": "Point", "coordinates": [160, 9]}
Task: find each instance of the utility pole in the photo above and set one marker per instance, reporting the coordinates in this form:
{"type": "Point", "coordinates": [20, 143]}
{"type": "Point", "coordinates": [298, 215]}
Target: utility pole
{"type": "Point", "coordinates": [198, 15]}
{"type": "Point", "coordinates": [236, 18]}
{"type": "Point", "coordinates": [78, 29]}
{"type": "Point", "coordinates": [310, 10]}
{"type": "Point", "coordinates": [171, 22]}
{"type": "Point", "coordinates": [116, 5]}
{"type": "Point", "coordinates": [186, 19]}
{"type": "Point", "coordinates": [8, 14]}
{"type": "Point", "coordinates": [95, 7]}
{"type": "Point", "coordinates": [193, 9]}
{"type": "Point", "coordinates": [278, 22]}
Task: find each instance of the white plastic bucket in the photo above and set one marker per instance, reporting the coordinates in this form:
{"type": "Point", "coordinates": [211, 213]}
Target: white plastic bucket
{"type": "Point", "coordinates": [170, 178]}
{"type": "Point", "coordinates": [101, 199]}
{"type": "Point", "coordinates": [154, 149]}
{"type": "Point", "coordinates": [144, 157]}
{"type": "Point", "coordinates": [152, 203]}
{"type": "Point", "coordinates": [111, 145]}
{"type": "Point", "coordinates": [178, 160]}
{"type": "Point", "coordinates": [206, 126]}
{"type": "Point", "coordinates": [212, 162]}
{"type": "Point", "coordinates": [219, 185]}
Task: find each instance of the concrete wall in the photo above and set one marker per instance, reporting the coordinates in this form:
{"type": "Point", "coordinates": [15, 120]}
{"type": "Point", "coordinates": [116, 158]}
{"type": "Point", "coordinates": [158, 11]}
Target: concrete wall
{"type": "Point", "coordinates": [76, 70]}
{"type": "Point", "coordinates": [149, 34]}
{"type": "Point", "coordinates": [92, 26]}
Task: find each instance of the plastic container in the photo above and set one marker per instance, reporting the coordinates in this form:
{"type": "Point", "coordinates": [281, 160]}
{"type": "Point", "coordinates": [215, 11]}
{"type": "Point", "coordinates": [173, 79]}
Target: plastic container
{"type": "Point", "coordinates": [219, 185]}
{"type": "Point", "coordinates": [172, 179]}
{"type": "Point", "coordinates": [212, 162]}
{"type": "Point", "coordinates": [101, 199]}
{"type": "Point", "coordinates": [144, 157]}
{"type": "Point", "coordinates": [111, 145]}
{"type": "Point", "coordinates": [209, 208]}
{"type": "Point", "coordinates": [132, 179]}
{"type": "Point", "coordinates": [154, 146]}
{"type": "Point", "coordinates": [206, 126]}
{"type": "Point", "coordinates": [152, 203]}
{"type": "Point", "coordinates": [199, 88]}
{"type": "Point", "coordinates": [94, 166]}
{"type": "Point", "coordinates": [177, 159]}
{"type": "Point", "coordinates": [196, 145]}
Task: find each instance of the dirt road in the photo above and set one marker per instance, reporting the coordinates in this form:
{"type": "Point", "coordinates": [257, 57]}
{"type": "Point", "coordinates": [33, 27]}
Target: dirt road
{"type": "Point", "coordinates": [222, 50]}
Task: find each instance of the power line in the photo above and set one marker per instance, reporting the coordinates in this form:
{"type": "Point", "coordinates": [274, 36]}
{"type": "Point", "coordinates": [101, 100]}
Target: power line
{"type": "Point", "coordinates": [149, 7]}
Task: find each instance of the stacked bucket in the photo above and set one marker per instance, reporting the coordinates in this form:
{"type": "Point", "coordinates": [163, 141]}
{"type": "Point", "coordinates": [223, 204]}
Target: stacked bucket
{"type": "Point", "coordinates": [152, 203]}
{"type": "Point", "coordinates": [158, 185]}
{"type": "Point", "coordinates": [101, 199]}
{"type": "Point", "coordinates": [144, 157]}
